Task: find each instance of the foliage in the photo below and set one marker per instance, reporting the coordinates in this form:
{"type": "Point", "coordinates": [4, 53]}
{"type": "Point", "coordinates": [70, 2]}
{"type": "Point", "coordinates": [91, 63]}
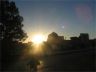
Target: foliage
{"type": "Point", "coordinates": [11, 33]}
{"type": "Point", "coordinates": [11, 22]}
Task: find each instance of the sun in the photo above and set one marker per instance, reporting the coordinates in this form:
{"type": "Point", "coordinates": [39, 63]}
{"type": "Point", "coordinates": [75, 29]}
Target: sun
{"type": "Point", "coordinates": [37, 39]}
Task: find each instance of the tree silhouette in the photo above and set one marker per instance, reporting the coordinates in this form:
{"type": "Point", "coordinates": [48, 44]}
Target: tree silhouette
{"type": "Point", "coordinates": [11, 22]}
{"type": "Point", "coordinates": [11, 33]}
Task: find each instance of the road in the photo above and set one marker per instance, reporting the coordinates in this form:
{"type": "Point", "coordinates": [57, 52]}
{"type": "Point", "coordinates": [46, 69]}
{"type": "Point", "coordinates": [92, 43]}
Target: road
{"type": "Point", "coordinates": [74, 60]}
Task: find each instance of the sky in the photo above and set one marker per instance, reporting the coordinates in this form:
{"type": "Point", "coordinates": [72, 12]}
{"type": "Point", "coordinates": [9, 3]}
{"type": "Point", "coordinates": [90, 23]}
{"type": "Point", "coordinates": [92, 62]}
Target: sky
{"type": "Point", "coordinates": [65, 17]}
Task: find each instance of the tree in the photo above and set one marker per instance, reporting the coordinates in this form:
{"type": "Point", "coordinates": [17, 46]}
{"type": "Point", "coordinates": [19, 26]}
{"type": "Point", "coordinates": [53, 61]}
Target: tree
{"type": "Point", "coordinates": [11, 32]}
{"type": "Point", "coordinates": [11, 22]}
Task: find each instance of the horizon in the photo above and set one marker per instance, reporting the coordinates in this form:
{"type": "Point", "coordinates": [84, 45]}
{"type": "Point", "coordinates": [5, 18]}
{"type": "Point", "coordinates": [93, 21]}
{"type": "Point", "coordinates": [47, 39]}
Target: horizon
{"type": "Point", "coordinates": [67, 18]}
{"type": "Point", "coordinates": [46, 39]}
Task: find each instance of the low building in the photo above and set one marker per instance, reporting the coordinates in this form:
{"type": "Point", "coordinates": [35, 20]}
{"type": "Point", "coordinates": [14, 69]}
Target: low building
{"type": "Point", "coordinates": [54, 40]}
{"type": "Point", "coordinates": [84, 36]}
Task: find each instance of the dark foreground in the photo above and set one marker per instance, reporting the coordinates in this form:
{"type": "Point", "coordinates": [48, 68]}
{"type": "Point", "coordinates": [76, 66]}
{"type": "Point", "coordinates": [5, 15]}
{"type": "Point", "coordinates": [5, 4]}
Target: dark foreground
{"type": "Point", "coordinates": [65, 61]}
{"type": "Point", "coordinates": [75, 60]}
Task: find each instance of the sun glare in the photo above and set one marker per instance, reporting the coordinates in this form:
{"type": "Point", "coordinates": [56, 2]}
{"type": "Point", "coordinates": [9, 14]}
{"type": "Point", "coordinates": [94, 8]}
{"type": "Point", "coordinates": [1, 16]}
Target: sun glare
{"type": "Point", "coordinates": [37, 39]}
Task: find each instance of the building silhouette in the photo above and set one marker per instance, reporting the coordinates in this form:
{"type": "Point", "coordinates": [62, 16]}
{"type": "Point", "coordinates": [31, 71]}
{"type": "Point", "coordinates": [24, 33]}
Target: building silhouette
{"type": "Point", "coordinates": [58, 42]}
